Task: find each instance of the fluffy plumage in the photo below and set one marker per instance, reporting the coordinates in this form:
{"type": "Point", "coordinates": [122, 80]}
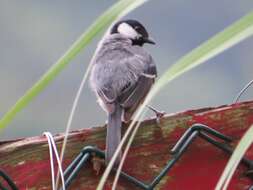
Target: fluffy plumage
{"type": "Point", "coordinates": [121, 76]}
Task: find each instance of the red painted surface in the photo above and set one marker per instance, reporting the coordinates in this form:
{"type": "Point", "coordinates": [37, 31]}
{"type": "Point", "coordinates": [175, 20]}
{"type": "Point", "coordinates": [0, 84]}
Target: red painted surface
{"type": "Point", "coordinates": [27, 160]}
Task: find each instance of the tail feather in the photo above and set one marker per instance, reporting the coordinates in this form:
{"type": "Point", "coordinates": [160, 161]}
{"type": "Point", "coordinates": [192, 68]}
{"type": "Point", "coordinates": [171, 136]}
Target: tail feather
{"type": "Point", "coordinates": [113, 135]}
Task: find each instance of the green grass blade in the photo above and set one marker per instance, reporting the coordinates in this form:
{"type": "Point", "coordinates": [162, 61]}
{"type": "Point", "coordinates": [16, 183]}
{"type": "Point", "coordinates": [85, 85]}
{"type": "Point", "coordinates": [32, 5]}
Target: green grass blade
{"type": "Point", "coordinates": [235, 159]}
{"type": "Point", "coordinates": [232, 35]}
{"type": "Point", "coordinates": [118, 9]}
{"type": "Point", "coordinates": [75, 103]}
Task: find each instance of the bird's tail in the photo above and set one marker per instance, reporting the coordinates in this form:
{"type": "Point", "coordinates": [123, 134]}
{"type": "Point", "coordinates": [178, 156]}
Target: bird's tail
{"type": "Point", "coordinates": [113, 135]}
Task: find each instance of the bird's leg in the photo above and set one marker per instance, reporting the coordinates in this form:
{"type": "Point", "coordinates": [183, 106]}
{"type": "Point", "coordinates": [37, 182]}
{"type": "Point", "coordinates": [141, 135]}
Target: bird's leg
{"type": "Point", "coordinates": [159, 114]}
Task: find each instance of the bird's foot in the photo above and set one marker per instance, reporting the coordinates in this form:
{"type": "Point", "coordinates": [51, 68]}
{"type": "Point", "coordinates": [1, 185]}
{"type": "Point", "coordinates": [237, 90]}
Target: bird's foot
{"type": "Point", "coordinates": [159, 114]}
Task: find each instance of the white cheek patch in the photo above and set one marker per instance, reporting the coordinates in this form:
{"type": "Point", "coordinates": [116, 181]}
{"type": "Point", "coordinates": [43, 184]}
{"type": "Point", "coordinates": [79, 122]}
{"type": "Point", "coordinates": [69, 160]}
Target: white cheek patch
{"type": "Point", "coordinates": [127, 30]}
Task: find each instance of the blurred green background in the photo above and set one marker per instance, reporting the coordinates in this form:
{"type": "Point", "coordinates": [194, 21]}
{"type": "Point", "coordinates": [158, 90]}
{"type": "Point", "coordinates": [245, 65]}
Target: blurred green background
{"type": "Point", "coordinates": [34, 34]}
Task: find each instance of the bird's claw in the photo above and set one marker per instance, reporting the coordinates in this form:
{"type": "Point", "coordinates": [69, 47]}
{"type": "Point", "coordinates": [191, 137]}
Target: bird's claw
{"type": "Point", "coordinates": [159, 114]}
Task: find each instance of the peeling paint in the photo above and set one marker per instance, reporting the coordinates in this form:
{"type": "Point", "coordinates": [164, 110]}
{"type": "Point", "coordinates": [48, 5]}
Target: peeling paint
{"type": "Point", "coordinates": [27, 160]}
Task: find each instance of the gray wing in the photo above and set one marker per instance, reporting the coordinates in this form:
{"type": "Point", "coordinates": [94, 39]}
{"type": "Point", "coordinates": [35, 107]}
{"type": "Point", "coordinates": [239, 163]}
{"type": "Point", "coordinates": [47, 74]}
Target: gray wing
{"type": "Point", "coordinates": [134, 88]}
{"type": "Point", "coordinates": [133, 96]}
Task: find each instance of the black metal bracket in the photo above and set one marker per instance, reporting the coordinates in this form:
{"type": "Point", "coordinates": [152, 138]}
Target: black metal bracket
{"type": "Point", "coordinates": [200, 130]}
{"type": "Point", "coordinates": [8, 180]}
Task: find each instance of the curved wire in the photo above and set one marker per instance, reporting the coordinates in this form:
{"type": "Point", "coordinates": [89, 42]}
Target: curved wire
{"type": "Point", "coordinates": [51, 160]}
{"type": "Point", "coordinates": [8, 180]}
{"type": "Point", "coordinates": [53, 149]}
{"type": "Point", "coordinates": [242, 91]}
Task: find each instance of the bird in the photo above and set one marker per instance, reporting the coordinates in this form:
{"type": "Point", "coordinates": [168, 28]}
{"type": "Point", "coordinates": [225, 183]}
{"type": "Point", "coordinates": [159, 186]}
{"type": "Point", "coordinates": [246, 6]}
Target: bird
{"type": "Point", "coordinates": [122, 73]}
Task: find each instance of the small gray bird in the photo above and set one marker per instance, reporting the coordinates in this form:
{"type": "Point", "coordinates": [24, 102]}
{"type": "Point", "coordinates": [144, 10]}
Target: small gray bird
{"type": "Point", "coordinates": [121, 76]}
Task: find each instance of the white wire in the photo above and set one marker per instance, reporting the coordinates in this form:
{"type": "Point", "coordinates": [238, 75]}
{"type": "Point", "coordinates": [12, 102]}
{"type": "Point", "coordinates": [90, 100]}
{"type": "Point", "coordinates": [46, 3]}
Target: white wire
{"type": "Point", "coordinates": [77, 97]}
{"type": "Point", "coordinates": [51, 160]}
{"type": "Point", "coordinates": [51, 144]}
{"type": "Point", "coordinates": [76, 100]}
{"type": "Point", "coordinates": [58, 162]}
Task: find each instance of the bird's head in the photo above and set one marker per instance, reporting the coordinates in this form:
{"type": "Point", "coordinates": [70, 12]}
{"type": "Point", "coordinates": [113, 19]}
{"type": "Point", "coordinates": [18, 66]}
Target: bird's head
{"type": "Point", "coordinates": [133, 30]}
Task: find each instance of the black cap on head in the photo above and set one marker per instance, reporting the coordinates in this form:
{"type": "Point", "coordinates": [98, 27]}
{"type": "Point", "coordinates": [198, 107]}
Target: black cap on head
{"type": "Point", "coordinates": [142, 34]}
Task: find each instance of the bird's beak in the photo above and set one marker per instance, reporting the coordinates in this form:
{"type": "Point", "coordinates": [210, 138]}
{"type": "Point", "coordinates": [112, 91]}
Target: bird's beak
{"type": "Point", "coordinates": [149, 40]}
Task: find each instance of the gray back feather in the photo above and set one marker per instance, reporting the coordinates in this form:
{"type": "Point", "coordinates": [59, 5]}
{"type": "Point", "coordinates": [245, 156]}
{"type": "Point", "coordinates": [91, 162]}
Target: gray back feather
{"type": "Point", "coordinates": [118, 65]}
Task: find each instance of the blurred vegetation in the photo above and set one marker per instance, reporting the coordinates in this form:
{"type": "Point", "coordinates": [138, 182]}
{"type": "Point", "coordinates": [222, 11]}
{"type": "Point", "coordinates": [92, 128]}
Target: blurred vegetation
{"type": "Point", "coordinates": [229, 37]}
{"type": "Point", "coordinates": [36, 33]}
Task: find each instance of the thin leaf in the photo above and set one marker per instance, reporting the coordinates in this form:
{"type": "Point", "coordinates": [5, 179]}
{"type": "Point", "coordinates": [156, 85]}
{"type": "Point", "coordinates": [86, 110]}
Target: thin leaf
{"type": "Point", "coordinates": [235, 159]}
{"type": "Point", "coordinates": [125, 152]}
{"type": "Point", "coordinates": [118, 9]}
{"type": "Point", "coordinates": [232, 35]}
{"type": "Point", "coordinates": [127, 9]}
